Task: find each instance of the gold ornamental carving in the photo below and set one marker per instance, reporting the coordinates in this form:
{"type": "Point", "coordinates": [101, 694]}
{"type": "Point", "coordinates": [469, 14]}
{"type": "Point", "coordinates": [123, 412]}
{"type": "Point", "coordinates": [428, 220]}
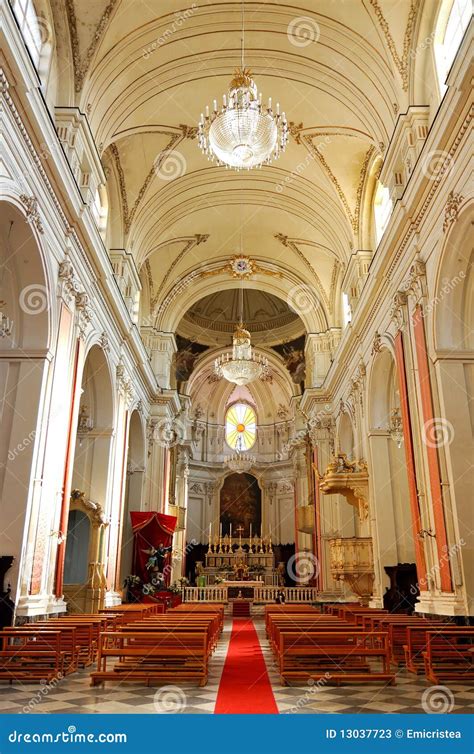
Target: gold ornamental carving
{"type": "Point", "coordinates": [347, 478]}
{"type": "Point", "coordinates": [241, 267]}
{"type": "Point", "coordinates": [352, 560]}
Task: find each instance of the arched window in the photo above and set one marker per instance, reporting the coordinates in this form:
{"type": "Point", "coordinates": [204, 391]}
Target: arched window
{"type": "Point", "coordinates": [453, 21]}
{"type": "Point", "coordinates": [382, 210]}
{"type": "Point", "coordinates": [240, 426]}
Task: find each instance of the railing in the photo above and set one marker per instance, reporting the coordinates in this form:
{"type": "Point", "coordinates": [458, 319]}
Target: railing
{"type": "Point", "coordinates": [292, 593]}
{"type": "Point", "coordinates": [204, 594]}
{"type": "Point", "coordinates": [262, 594]}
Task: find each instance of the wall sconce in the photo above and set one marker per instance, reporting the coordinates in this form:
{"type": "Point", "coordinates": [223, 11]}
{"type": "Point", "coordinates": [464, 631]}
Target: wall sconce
{"type": "Point", "coordinates": [84, 424]}
{"type": "Point", "coordinates": [396, 427]}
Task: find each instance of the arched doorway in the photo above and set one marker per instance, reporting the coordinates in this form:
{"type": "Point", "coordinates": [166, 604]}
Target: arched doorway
{"type": "Point", "coordinates": [453, 430]}
{"type": "Point", "coordinates": [133, 490]}
{"type": "Point", "coordinates": [90, 487]}
{"type": "Point", "coordinates": [25, 309]}
{"type": "Point", "coordinates": [394, 549]}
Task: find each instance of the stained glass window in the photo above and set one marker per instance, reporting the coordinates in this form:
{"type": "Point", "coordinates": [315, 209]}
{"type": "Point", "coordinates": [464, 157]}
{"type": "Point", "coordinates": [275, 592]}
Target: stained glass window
{"type": "Point", "coordinates": [240, 426]}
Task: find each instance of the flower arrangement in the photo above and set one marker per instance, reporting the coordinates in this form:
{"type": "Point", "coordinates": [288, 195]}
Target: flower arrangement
{"type": "Point", "coordinates": [132, 581]}
{"type": "Point", "coordinates": [179, 585]}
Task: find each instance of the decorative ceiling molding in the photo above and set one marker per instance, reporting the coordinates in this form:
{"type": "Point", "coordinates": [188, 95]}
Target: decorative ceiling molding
{"type": "Point", "coordinates": [400, 62]}
{"type": "Point", "coordinates": [333, 287]}
{"type": "Point", "coordinates": [307, 140]}
{"type": "Point", "coordinates": [189, 243]}
{"type": "Point", "coordinates": [81, 67]}
{"type": "Point", "coordinates": [290, 243]}
{"type": "Point", "coordinates": [242, 268]}
{"type": "Point", "coordinates": [186, 132]}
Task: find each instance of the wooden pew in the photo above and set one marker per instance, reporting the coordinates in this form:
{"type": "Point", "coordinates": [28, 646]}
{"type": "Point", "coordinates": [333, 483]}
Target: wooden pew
{"type": "Point", "coordinates": [449, 655]}
{"type": "Point", "coordinates": [179, 626]}
{"type": "Point", "coordinates": [130, 612]}
{"type": "Point", "coordinates": [28, 655]}
{"type": "Point", "coordinates": [149, 656]}
{"type": "Point", "coordinates": [306, 628]}
{"type": "Point", "coordinates": [415, 643]}
{"type": "Point", "coordinates": [396, 625]}
{"type": "Point", "coordinates": [301, 623]}
{"type": "Point", "coordinates": [271, 610]}
{"type": "Point", "coordinates": [335, 656]}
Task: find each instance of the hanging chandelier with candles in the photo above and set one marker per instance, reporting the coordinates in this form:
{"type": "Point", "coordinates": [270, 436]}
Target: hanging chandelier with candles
{"type": "Point", "coordinates": [242, 365]}
{"type": "Point", "coordinates": [243, 133]}
{"type": "Point", "coordinates": [240, 462]}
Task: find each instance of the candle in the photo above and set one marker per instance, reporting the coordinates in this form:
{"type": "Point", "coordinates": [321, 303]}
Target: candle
{"type": "Point", "coordinates": [220, 530]}
{"type": "Point", "coordinates": [250, 530]}
{"type": "Point", "coordinates": [230, 534]}
{"type": "Point", "coordinates": [210, 532]}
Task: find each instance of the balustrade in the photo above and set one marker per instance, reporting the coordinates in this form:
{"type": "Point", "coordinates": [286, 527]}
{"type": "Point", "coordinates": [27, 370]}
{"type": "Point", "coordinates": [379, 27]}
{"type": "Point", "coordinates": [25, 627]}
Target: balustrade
{"type": "Point", "coordinates": [262, 594]}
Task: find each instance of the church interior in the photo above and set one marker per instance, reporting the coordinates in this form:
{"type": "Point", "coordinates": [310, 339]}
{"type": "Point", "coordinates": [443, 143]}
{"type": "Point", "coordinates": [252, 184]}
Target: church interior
{"type": "Point", "coordinates": [236, 357]}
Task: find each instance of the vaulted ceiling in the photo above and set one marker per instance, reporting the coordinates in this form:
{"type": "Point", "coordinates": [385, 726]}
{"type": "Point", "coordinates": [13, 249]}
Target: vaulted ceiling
{"type": "Point", "coordinates": [144, 72]}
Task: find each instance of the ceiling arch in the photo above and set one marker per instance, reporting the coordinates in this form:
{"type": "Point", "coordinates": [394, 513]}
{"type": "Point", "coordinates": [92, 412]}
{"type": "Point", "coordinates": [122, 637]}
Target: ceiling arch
{"type": "Point", "coordinates": [143, 76]}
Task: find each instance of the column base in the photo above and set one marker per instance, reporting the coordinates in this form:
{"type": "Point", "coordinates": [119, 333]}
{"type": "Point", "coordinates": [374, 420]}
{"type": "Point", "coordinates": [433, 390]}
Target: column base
{"type": "Point", "coordinates": [37, 606]}
{"type": "Point", "coordinates": [441, 604]}
{"type": "Point", "coordinates": [112, 599]}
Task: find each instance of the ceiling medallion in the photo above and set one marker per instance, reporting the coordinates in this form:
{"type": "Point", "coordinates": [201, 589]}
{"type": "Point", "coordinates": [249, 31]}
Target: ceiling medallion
{"type": "Point", "coordinates": [240, 266]}
{"type": "Point", "coordinates": [243, 133]}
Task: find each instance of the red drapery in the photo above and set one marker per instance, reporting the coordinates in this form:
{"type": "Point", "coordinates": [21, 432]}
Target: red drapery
{"type": "Point", "coordinates": [150, 529]}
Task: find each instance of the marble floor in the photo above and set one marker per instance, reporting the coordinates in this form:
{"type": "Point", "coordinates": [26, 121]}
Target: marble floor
{"type": "Point", "coordinates": [74, 695]}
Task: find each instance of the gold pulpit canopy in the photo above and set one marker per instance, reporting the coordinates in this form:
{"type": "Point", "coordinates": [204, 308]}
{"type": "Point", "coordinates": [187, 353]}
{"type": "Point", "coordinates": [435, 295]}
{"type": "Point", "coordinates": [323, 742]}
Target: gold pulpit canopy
{"type": "Point", "coordinates": [347, 478]}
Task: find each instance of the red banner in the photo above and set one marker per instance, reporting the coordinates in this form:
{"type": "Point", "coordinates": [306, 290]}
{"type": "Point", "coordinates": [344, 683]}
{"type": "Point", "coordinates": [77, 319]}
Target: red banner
{"type": "Point", "coordinates": [150, 530]}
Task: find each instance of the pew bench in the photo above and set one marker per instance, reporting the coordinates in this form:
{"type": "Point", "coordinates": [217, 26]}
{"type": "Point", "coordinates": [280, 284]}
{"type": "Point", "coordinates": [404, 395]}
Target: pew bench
{"type": "Point", "coordinates": [150, 657]}
{"type": "Point", "coordinates": [26, 655]}
{"type": "Point", "coordinates": [415, 643]}
{"type": "Point", "coordinates": [349, 656]}
{"type": "Point", "coordinates": [449, 655]}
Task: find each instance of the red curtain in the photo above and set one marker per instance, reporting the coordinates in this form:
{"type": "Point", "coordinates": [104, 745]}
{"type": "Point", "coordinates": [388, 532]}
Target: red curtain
{"type": "Point", "coordinates": [150, 529]}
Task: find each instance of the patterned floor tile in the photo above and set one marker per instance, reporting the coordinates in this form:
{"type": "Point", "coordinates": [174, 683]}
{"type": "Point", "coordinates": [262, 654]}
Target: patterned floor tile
{"type": "Point", "coordinates": [74, 693]}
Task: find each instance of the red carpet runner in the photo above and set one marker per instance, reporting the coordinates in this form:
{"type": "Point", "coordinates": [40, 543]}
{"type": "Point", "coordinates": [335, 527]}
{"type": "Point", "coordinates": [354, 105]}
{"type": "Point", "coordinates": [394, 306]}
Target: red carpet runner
{"type": "Point", "coordinates": [245, 687]}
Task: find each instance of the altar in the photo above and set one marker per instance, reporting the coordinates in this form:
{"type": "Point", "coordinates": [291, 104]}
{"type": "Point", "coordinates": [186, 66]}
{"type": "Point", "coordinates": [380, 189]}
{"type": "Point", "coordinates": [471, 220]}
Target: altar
{"type": "Point", "coordinates": [249, 561]}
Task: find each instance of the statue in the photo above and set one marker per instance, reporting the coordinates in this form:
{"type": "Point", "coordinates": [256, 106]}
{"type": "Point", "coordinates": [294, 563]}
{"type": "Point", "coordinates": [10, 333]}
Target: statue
{"type": "Point", "coordinates": [156, 560]}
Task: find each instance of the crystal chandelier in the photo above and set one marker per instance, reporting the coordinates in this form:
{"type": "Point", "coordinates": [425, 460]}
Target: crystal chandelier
{"type": "Point", "coordinates": [243, 366]}
{"type": "Point", "coordinates": [240, 462]}
{"type": "Point", "coordinates": [243, 133]}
